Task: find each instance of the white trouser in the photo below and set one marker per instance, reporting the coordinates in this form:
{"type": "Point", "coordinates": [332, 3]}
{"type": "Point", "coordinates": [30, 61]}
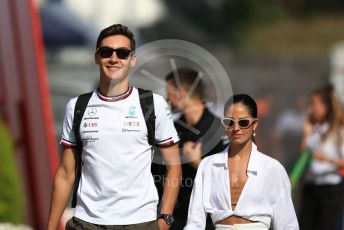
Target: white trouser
{"type": "Point", "coordinates": [250, 226]}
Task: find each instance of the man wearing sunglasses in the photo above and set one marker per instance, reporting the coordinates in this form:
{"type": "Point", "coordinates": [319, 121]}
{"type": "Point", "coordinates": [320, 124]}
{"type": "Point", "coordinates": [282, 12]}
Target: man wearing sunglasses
{"type": "Point", "coordinates": [116, 189]}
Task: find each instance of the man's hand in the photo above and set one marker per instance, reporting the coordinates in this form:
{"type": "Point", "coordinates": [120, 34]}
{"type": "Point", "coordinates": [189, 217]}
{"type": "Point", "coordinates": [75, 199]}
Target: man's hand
{"type": "Point", "coordinates": [193, 152]}
{"type": "Point", "coordinates": [163, 225]}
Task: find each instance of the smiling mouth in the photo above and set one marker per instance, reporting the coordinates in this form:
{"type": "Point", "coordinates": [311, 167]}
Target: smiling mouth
{"type": "Point", "coordinates": [113, 68]}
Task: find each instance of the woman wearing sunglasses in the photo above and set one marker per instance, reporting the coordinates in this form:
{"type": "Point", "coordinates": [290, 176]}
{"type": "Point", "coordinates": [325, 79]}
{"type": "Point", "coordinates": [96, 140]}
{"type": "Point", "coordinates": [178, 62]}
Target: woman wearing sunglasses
{"type": "Point", "coordinates": [241, 188]}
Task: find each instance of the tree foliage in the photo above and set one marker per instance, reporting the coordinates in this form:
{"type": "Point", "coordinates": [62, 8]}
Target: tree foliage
{"type": "Point", "coordinates": [11, 197]}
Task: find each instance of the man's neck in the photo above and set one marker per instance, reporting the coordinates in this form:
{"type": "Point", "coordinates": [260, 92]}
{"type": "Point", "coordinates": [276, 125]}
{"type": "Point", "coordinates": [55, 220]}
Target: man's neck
{"type": "Point", "coordinates": [193, 113]}
{"type": "Point", "coordinates": [112, 89]}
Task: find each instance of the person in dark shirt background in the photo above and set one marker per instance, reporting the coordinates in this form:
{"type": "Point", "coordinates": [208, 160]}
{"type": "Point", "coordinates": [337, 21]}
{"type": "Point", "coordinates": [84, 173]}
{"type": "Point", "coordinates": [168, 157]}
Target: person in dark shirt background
{"type": "Point", "coordinates": [198, 128]}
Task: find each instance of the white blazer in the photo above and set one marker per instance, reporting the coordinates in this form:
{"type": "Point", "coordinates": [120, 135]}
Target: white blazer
{"type": "Point", "coordinates": [266, 197]}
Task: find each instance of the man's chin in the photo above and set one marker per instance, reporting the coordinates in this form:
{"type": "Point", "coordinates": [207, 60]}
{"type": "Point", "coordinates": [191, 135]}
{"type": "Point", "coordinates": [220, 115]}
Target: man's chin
{"type": "Point", "coordinates": [114, 78]}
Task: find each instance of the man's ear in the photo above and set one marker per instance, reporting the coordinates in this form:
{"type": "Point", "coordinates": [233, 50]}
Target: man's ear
{"type": "Point", "coordinates": [132, 60]}
{"type": "Point", "coordinates": [183, 91]}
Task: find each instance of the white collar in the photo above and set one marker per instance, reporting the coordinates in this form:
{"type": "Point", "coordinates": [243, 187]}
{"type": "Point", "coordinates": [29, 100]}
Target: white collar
{"type": "Point", "coordinates": [253, 162]}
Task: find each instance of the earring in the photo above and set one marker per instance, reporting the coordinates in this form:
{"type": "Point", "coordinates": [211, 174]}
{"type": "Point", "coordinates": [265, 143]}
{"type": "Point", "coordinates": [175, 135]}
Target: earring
{"type": "Point", "coordinates": [254, 134]}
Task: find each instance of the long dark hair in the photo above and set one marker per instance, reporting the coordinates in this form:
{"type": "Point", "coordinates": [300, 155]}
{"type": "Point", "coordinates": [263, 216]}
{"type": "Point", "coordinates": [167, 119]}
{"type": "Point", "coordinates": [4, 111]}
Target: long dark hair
{"type": "Point", "coordinates": [334, 113]}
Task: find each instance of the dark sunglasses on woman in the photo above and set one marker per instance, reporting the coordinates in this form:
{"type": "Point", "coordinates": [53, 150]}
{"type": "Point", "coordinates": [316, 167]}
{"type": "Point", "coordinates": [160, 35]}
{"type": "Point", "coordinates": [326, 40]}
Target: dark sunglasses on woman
{"type": "Point", "coordinates": [242, 122]}
{"type": "Point", "coordinates": [106, 52]}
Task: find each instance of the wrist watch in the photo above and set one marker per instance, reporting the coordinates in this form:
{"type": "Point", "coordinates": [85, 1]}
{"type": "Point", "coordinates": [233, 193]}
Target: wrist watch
{"type": "Point", "coordinates": [168, 218]}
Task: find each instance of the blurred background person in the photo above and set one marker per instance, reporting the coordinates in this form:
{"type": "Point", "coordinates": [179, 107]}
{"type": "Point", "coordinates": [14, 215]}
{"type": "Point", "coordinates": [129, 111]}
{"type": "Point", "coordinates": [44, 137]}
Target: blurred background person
{"type": "Point", "coordinates": [197, 126]}
{"type": "Point", "coordinates": [288, 131]}
{"type": "Point", "coordinates": [266, 103]}
{"type": "Point", "coordinates": [323, 192]}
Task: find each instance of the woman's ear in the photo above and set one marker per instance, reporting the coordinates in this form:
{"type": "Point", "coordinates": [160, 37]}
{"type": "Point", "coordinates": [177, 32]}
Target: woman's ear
{"type": "Point", "coordinates": [255, 125]}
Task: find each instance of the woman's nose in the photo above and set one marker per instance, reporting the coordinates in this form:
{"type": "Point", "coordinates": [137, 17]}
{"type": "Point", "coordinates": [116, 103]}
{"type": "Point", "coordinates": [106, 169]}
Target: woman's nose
{"type": "Point", "coordinates": [236, 126]}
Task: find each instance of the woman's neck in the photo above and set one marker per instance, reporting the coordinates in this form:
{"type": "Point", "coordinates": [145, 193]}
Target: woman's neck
{"type": "Point", "coordinates": [241, 150]}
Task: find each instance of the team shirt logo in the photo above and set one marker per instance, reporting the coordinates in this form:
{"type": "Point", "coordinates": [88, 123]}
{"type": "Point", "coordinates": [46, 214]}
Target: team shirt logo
{"type": "Point", "coordinates": [91, 112]}
{"type": "Point", "coordinates": [132, 112]}
{"type": "Point", "coordinates": [131, 122]}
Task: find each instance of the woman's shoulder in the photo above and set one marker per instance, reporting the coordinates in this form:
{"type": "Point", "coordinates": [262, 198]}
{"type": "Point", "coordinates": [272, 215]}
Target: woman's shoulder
{"type": "Point", "coordinates": [219, 158]}
{"type": "Point", "coordinates": [273, 168]}
{"type": "Point", "coordinates": [270, 162]}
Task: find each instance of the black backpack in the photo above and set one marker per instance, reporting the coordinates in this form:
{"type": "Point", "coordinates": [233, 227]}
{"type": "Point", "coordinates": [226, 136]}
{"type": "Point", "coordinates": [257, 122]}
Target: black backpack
{"type": "Point", "coordinates": [147, 106]}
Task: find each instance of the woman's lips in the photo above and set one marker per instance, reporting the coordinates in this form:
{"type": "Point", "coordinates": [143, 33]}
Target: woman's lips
{"type": "Point", "coordinates": [236, 136]}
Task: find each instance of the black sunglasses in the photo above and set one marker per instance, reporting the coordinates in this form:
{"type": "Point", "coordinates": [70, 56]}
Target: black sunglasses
{"type": "Point", "coordinates": [242, 122]}
{"type": "Point", "coordinates": [106, 52]}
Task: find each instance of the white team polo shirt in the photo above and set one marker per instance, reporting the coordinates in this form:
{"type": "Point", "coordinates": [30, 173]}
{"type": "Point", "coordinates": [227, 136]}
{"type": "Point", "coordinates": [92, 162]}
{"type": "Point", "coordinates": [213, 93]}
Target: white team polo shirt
{"type": "Point", "coordinates": [116, 185]}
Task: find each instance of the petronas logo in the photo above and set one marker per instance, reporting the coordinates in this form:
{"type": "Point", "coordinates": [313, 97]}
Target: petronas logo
{"type": "Point", "coordinates": [132, 111]}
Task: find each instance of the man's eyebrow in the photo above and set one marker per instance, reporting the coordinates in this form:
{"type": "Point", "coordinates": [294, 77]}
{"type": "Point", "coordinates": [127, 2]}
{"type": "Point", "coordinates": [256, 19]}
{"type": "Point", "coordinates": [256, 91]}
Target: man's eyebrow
{"type": "Point", "coordinates": [123, 47]}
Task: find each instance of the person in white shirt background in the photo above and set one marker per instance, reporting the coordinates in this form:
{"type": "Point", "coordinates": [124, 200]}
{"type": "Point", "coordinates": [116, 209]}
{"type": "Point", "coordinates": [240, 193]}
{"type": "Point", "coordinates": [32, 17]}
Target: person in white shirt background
{"type": "Point", "coordinates": [323, 191]}
{"type": "Point", "coordinates": [241, 188]}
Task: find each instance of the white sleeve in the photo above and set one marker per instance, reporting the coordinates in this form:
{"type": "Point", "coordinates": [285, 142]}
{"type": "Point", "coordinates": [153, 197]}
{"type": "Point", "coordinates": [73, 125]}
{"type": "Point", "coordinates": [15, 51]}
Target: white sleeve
{"type": "Point", "coordinates": [68, 136]}
{"type": "Point", "coordinates": [165, 132]}
{"type": "Point", "coordinates": [284, 216]}
{"type": "Point", "coordinates": [197, 215]}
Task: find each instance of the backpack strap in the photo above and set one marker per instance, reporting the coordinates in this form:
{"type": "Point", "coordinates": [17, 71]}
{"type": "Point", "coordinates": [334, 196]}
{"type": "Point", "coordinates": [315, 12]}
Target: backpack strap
{"type": "Point", "coordinates": [79, 111]}
{"type": "Point", "coordinates": [147, 106]}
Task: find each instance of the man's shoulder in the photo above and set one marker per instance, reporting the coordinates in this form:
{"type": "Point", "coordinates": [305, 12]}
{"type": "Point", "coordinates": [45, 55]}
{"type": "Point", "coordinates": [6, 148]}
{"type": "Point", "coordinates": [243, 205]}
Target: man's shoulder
{"type": "Point", "coordinates": [73, 100]}
{"type": "Point", "coordinates": [71, 104]}
{"type": "Point", "coordinates": [210, 116]}
{"type": "Point", "coordinates": [158, 99]}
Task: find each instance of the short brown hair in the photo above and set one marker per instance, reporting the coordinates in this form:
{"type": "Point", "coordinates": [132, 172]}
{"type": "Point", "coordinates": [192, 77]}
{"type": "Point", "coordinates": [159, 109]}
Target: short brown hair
{"type": "Point", "coordinates": [117, 29]}
{"type": "Point", "coordinates": [187, 78]}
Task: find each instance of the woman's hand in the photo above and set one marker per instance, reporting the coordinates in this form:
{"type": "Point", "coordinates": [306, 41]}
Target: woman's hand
{"type": "Point", "coordinates": [338, 162]}
{"type": "Point", "coordinates": [307, 131]}
{"type": "Point", "coordinates": [307, 128]}
{"type": "Point", "coordinates": [321, 157]}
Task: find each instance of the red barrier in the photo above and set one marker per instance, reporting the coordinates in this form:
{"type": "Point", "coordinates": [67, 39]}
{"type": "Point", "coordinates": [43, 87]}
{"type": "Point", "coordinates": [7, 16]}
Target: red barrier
{"type": "Point", "coordinates": [24, 95]}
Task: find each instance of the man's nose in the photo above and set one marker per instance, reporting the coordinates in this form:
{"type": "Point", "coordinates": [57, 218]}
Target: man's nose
{"type": "Point", "coordinates": [114, 57]}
